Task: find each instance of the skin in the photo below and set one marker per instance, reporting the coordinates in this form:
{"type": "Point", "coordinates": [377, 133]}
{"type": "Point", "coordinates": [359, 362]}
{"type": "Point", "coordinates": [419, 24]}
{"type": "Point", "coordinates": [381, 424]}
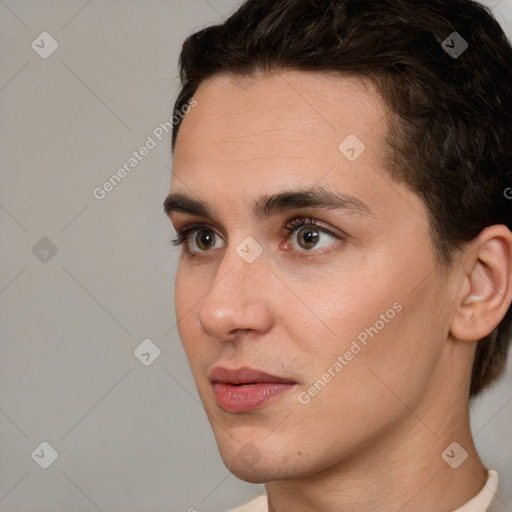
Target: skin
{"type": "Point", "coordinates": [372, 438]}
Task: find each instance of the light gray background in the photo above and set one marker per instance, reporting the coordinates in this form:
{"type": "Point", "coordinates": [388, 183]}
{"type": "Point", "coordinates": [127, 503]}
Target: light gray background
{"type": "Point", "coordinates": [129, 437]}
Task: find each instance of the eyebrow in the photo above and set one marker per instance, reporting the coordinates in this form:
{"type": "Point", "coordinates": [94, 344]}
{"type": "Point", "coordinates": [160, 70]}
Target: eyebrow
{"type": "Point", "coordinates": [268, 205]}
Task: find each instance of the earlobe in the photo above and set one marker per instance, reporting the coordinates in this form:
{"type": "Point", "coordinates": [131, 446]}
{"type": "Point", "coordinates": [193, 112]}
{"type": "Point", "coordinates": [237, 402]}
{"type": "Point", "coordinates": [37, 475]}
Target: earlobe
{"type": "Point", "coordinates": [486, 291]}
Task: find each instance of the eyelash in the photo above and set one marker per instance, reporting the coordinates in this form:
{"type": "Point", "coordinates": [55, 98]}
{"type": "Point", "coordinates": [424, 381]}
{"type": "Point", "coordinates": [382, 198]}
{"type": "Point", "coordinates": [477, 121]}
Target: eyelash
{"type": "Point", "coordinates": [183, 235]}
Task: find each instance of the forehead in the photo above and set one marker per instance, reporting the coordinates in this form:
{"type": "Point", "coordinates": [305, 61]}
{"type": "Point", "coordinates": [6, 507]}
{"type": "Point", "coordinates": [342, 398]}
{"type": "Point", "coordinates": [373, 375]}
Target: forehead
{"type": "Point", "coordinates": [289, 116]}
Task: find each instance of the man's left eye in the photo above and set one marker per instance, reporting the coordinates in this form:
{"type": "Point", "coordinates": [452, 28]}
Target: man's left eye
{"type": "Point", "coordinates": [308, 237]}
{"type": "Point", "coordinates": [309, 234]}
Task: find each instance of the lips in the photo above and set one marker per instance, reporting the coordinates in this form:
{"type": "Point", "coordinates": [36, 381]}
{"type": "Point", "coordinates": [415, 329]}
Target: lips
{"type": "Point", "coordinates": [245, 389]}
{"type": "Point", "coordinates": [243, 375]}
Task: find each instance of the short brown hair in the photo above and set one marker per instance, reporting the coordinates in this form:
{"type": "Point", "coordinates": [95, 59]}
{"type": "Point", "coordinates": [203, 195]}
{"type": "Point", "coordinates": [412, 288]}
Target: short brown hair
{"type": "Point", "coordinates": [451, 136]}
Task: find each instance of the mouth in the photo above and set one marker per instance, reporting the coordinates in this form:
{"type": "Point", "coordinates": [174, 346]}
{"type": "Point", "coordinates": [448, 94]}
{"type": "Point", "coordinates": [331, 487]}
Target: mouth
{"type": "Point", "coordinates": [246, 389]}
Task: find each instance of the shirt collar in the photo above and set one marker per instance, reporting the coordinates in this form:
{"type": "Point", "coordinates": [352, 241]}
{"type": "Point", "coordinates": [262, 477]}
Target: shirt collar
{"type": "Point", "coordinates": [482, 501]}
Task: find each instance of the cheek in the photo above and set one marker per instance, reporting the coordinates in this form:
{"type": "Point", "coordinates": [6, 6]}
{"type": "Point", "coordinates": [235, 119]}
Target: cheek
{"type": "Point", "coordinates": [383, 329]}
{"type": "Point", "coordinates": [348, 401]}
{"type": "Point", "coordinates": [346, 307]}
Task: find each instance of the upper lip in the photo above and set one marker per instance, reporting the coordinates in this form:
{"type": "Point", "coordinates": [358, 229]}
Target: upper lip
{"type": "Point", "coordinates": [243, 375]}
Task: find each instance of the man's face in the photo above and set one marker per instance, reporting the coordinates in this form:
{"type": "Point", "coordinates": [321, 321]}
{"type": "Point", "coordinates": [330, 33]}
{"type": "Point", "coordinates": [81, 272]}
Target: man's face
{"type": "Point", "coordinates": [356, 320]}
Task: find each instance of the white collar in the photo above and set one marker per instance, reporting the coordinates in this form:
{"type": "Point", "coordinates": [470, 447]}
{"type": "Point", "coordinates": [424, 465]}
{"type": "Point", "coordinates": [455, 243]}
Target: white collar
{"type": "Point", "coordinates": [482, 501]}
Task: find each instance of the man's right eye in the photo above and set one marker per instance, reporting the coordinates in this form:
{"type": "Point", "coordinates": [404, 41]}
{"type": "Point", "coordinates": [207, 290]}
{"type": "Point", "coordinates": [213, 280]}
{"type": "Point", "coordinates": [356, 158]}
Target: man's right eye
{"type": "Point", "coordinates": [204, 238]}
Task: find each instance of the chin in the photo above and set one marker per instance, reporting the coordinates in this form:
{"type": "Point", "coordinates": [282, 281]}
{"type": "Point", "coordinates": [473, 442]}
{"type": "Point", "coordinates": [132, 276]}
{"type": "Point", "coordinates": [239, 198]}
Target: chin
{"type": "Point", "coordinates": [258, 463]}
{"type": "Point", "coordinates": [251, 476]}
{"type": "Point", "coordinates": [256, 471]}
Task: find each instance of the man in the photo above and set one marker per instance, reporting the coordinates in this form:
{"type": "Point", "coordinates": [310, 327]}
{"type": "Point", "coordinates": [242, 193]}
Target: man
{"type": "Point", "coordinates": [344, 288]}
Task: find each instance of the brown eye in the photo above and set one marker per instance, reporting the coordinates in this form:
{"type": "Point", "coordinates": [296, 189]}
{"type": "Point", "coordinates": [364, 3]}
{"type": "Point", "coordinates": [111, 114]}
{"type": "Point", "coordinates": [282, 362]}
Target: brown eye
{"type": "Point", "coordinates": [309, 236]}
{"type": "Point", "coordinates": [204, 239]}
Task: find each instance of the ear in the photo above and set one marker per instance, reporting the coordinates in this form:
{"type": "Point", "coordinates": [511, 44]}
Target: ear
{"type": "Point", "coordinates": [485, 292]}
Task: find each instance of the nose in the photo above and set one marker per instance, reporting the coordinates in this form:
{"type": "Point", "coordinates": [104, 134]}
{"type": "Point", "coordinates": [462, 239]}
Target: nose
{"type": "Point", "coordinates": [238, 300]}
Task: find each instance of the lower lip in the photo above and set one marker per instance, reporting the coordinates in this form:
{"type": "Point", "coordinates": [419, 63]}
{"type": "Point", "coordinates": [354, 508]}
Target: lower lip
{"type": "Point", "coordinates": [248, 397]}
